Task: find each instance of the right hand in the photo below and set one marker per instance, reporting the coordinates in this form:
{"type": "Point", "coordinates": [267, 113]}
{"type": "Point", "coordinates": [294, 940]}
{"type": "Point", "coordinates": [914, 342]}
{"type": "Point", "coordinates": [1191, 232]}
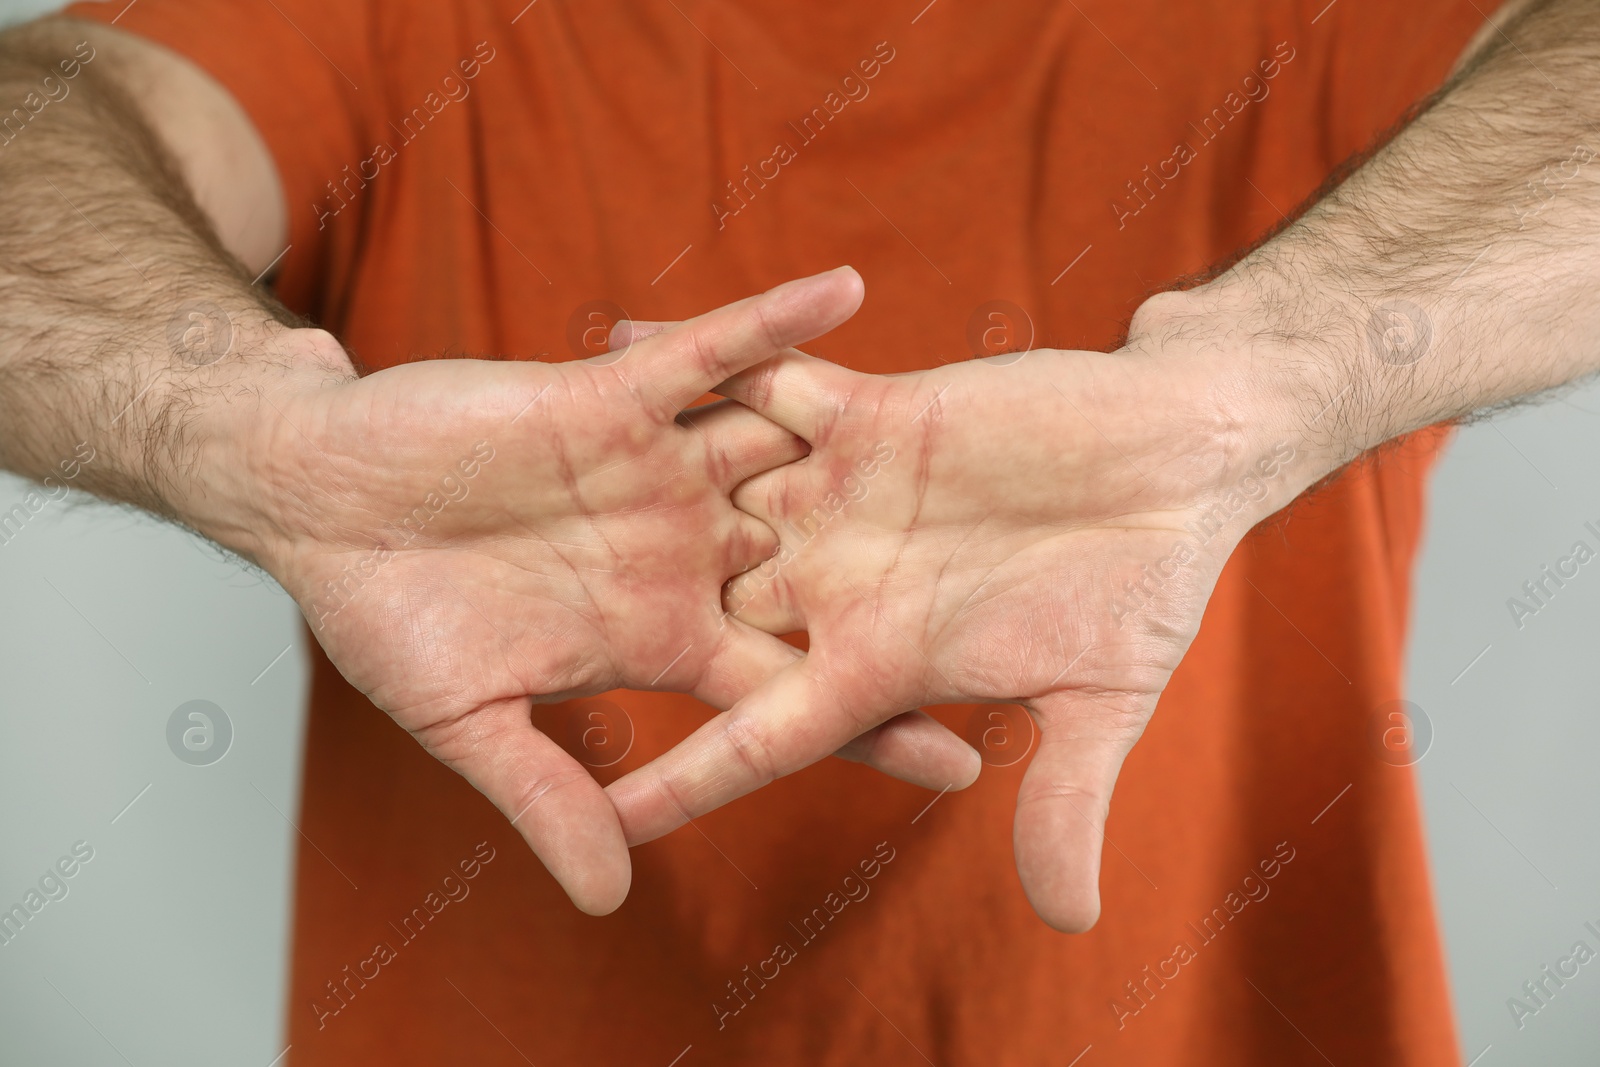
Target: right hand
{"type": "Point", "coordinates": [1043, 530]}
{"type": "Point", "coordinates": [467, 538]}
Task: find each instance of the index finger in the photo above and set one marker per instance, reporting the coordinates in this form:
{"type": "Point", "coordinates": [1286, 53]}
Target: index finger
{"type": "Point", "coordinates": [800, 392]}
{"type": "Point", "coordinates": [792, 389]}
{"type": "Point", "coordinates": [685, 361]}
{"type": "Point", "coordinates": [795, 719]}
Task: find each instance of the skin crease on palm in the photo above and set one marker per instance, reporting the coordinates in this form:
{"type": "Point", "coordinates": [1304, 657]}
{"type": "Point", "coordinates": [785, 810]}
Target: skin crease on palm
{"type": "Point", "coordinates": [1026, 498]}
{"type": "Point", "coordinates": [577, 534]}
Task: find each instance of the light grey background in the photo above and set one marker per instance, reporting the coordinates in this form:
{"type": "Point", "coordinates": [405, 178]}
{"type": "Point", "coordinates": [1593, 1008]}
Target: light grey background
{"type": "Point", "coordinates": [170, 945]}
{"type": "Point", "coordinates": [1510, 788]}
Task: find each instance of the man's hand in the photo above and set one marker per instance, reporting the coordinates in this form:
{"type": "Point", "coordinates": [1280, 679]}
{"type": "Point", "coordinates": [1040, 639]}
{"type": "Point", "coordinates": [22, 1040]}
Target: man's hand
{"type": "Point", "coordinates": [1042, 528]}
{"type": "Point", "coordinates": [465, 537]}
{"type": "Point", "coordinates": [1048, 531]}
{"type": "Point", "coordinates": [469, 537]}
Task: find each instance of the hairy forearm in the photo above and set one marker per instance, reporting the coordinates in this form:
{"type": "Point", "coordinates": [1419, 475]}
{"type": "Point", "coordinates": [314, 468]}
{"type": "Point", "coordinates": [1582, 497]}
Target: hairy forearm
{"type": "Point", "coordinates": [132, 344]}
{"type": "Point", "coordinates": [1454, 271]}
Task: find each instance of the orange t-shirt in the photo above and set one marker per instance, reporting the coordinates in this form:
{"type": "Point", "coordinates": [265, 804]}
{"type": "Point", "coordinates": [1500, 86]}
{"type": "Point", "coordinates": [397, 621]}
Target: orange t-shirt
{"type": "Point", "coordinates": [476, 178]}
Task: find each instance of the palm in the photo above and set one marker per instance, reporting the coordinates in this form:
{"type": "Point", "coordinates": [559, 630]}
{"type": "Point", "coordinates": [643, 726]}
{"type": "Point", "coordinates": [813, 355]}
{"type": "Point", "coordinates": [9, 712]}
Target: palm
{"type": "Point", "coordinates": [587, 520]}
{"type": "Point", "coordinates": [467, 538]}
{"type": "Point", "coordinates": [984, 561]}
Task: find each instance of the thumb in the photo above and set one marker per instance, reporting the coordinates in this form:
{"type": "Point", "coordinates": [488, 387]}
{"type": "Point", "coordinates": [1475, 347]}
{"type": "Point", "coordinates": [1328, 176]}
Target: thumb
{"type": "Point", "coordinates": [560, 810]}
{"type": "Point", "coordinates": [1059, 833]}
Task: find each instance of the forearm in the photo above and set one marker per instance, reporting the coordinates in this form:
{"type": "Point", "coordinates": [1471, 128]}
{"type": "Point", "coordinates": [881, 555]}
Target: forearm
{"type": "Point", "coordinates": [1456, 270]}
{"type": "Point", "coordinates": [133, 346]}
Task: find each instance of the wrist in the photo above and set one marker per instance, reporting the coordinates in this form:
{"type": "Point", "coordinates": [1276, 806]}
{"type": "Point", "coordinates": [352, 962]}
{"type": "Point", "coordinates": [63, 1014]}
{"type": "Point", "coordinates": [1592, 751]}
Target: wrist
{"type": "Point", "coordinates": [1293, 368]}
{"type": "Point", "coordinates": [1273, 392]}
{"type": "Point", "coordinates": [231, 489]}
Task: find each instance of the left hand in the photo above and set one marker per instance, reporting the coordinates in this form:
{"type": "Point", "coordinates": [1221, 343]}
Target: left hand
{"type": "Point", "coordinates": [456, 593]}
{"type": "Point", "coordinates": [1027, 530]}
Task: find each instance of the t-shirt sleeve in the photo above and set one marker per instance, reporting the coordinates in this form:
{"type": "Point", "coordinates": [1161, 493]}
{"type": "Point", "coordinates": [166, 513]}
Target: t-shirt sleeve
{"type": "Point", "coordinates": [1382, 57]}
{"type": "Point", "coordinates": [302, 70]}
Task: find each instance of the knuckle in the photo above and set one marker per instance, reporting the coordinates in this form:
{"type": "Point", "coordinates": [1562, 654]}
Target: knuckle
{"type": "Point", "coordinates": [670, 788]}
{"type": "Point", "coordinates": [770, 330]}
{"type": "Point", "coordinates": [526, 797]}
{"type": "Point", "coordinates": [752, 540]}
{"type": "Point", "coordinates": [702, 350]}
{"type": "Point", "coordinates": [1091, 804]}
{"type": "Point", "coordinates": [751, 750]}
{"type": "Point", "coordinates": [760, 384]}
